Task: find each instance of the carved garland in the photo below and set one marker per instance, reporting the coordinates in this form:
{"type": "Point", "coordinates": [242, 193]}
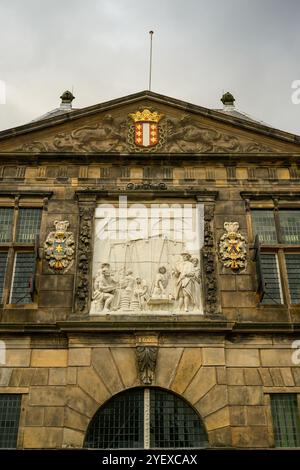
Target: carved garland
{"type": "Point", "coordinates": [85, 248]}
{"type": "Point", "coordinates": [209, 263]}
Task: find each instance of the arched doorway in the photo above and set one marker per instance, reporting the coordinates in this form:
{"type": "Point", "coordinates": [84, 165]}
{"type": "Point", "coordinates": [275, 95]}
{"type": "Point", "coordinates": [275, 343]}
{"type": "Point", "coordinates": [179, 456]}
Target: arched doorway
{"type": "Point", "coordinates": [145, 418]}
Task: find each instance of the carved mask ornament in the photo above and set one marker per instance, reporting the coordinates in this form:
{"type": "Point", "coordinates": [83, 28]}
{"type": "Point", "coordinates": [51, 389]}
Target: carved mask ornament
{"type": "Point", "coordinates": [232, 247]}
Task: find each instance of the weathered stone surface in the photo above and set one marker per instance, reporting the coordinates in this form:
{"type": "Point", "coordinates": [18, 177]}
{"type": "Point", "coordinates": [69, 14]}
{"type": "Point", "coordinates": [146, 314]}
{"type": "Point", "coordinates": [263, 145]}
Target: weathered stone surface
{"type": "Point", "coordinates": [18, 357]}
{"type": "Point", "coordinates": [54, 416]}
{"type": "Point", "coordinates": [21, 377]}
{"type": "Point", "coordinates": [73, 438]}
{"type": "Point", "coordinates": [235, 299]}
{"type": "Point", "coordinates": [237, 415]}
{"type": "Point", "coordinates": [242, 357]}
{"type": "Point", "coordinates": [213, 356]}
{"type": "Point", "coordinates": [235, 376]}
{"type": "Point", "coordinates": [72, 375]}
{"type": "Point", "coordinates": [80, 401]}
{"type": "Point", "coordinates": [49, 358]}
{"type": "Point", "coordinates": [125, 360]}
{"type": "Point", "coordinates": [62, 299]}
{"type": "Point", "coordinates": [242, 395]}
{"type": "Point", "coordinates": [220, 437]}
{"type": "Point", "coordinates": [167, 363]}
{"type": "Point", "coordinates": [92, 384]}
{"type": "Point", "coordinates": [5, 375]}
{"type": "Point", "coordinates": [221, 375]}
{"type": "Point", "coordinates": [245, 436]}
{"type": "Point", "coordinates": [79, 357]}
{"type": "Point", "coordinates": [203, 381]}
{"type": "Point", "coordinates": [47, 396]}
{"type": "Point", "coordinates": [34, 416]}
{"type": "Point", "coordinates": [75, 420]}
{"type": "Point", "coordinates": [287, 376]}
{"type": "Point", "coordinates": [219, 419]}
{"type": "Point", "coordinates": [276, 377]}
{"type": "Point", "coordinates": [104, 364]}
{"type": "Point", "coordinates": [57, 376]}
{"type": "Point", "coordinates": [276, 358]}
{"type": "Point", "coordinates": [296, 375]}
{"type": "Point", "coordinates": [215, 399]}
{"type": "Point", "coordinates": [252, 376]}
{"type": "Point", "coordinates": [40, 377]}
{"type": "Point", "coordinates": [189, 364]}
{"type": "Point", "coordinates": [256, 416]}
{"type": "Point", "coordinates": [42, 438]}
{"type": "Point", "coordinates": [265, 376]}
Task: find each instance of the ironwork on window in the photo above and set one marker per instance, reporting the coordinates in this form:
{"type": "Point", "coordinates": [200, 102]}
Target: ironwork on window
{"type": "Point", "coordinates": [10, 406]}
{"type": "Point", "coordinates": [143, 418]}
{"type": "Point", "coordinates": [19, 229]}
{"type": "Point", "coordinates": [293, 270]}
{"type": "Point", "coordinates": [28, 225]}
{"type": "Point", "coordinates": [3, 261]}
{"type": "Point", "coordinates": [264, 226]}
{"type": "Point", "coordinates": [290, 227]}
{"type": "Point", "coordinates": [269, 266]}
{"type": "Point", "coordinates": [286, 419]}
{"type": "Point", "coordinates": [173, 423]}
{"type": "Point", "coordinates": [6, 223]}
{"type": "Point", "coordinates": [277, 231]}
{"type": "Point", "coordinates": [118, 424]}
{"type": "Point", "coordinates": [22, 277]}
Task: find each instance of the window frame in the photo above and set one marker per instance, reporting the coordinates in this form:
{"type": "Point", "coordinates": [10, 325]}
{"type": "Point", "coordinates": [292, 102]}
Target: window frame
{"type": "Point", "coordinates": [13, 247]}
{"type": "Point", "coordinates": [271, 416]}
{"type": "Point", "coordinates": [274, 202]}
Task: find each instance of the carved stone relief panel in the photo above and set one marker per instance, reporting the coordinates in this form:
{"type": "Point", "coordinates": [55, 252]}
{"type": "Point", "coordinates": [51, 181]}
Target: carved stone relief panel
{"type": "Point", "coordinates": [148, 130]}
{"type": "Point", "coordinates": [147, 258]}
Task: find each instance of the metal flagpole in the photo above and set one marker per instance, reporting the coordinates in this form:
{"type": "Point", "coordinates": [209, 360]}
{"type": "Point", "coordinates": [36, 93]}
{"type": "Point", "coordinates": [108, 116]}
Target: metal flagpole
{"type": "Point", "coordinates": [150, 68]}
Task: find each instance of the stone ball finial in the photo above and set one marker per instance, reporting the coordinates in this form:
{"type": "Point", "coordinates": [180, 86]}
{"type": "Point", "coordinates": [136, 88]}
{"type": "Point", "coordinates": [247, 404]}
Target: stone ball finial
{"type": "Point", "coordinates": [228, 99]}
{"type": "Point", "coordinates": [67, 97]}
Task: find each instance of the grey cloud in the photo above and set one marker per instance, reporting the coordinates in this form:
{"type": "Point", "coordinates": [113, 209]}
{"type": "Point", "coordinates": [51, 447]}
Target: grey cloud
{"type": "Point", "coordinates": [201, 47]}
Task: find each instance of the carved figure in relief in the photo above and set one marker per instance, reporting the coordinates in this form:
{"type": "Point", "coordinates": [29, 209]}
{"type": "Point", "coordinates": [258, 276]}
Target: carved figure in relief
{"type": "Point", "coordinates": [140, 295]}
{"type": "Point", "coordinates": [197, 285]}
{"type": "Point", "coordinates": [126, 290]}
{"type": "Point", "coordinates": [185, 291]}
{"type": "Point", "coordinates": [104, 288]}
{"type": "Point", "coordinates": [160, 284]}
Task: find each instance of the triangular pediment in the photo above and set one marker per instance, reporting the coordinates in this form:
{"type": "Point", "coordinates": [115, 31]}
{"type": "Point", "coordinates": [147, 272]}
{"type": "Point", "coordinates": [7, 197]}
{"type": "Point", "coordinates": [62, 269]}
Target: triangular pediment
{"type": "Point", "coordinates": [172, 126]}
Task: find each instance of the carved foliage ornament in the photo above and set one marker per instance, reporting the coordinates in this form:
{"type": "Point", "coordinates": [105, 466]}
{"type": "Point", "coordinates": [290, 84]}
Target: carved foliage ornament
{"type": "Point", "coordinates": [60, 247]}
{"type": "Point", "coordinates": [232, 247]}
{"type": "Point", "coordinates": [146, 358]}
{"type": "Point", "coordinates": [86, 215]}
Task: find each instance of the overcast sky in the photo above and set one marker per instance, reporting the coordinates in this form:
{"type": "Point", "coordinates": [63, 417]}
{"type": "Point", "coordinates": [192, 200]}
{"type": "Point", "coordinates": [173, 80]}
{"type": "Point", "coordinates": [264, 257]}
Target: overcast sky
{"type": "Point", "coordinates": [101, 49]}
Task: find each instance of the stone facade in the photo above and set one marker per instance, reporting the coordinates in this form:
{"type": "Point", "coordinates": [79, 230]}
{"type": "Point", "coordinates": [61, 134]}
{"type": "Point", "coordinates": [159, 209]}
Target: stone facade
{"type": "Point", "coordinates": [226, 362]}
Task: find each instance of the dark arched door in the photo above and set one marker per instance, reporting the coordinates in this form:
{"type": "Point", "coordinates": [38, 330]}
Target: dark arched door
{"type": "Point", "coordinates": [145, 418]}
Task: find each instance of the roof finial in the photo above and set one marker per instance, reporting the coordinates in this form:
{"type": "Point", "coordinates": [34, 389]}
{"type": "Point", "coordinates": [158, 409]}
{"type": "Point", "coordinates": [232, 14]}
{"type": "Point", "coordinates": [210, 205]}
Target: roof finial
{"type": "Point", "coordinates": [228, 99]}
{"type": "Point", "coordinates": [66, 99]}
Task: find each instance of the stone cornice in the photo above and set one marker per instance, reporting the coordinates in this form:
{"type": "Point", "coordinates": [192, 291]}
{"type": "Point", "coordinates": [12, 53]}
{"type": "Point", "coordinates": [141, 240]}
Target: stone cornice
{"type": "Point", "coordinates": [200, 195]}
{"type": "Point", "coordinates": [173, 324]}
{"type": "Point", "coordinates": [155, 98]}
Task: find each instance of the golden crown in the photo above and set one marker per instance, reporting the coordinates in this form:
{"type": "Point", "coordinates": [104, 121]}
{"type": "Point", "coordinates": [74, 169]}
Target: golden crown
{"type": "Point", "coordinates": [146, 115]}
